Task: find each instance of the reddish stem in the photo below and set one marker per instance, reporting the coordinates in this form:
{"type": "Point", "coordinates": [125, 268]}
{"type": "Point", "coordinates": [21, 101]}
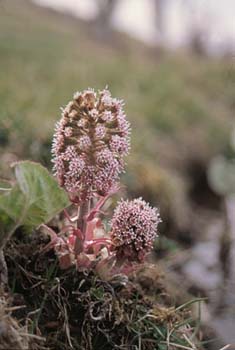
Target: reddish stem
{"type": "Point", "coordinates": [71, 219]}
{"type": "Point", "coordinates": [98, 241]}
{"type": "Point", "coordinates": [96, 208]}
{"type": "Point", "coordinates": [81, 225]}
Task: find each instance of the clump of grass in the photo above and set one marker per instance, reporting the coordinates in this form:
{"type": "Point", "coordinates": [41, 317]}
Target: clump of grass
{"type": "Point", "coordinates": [81, 311]}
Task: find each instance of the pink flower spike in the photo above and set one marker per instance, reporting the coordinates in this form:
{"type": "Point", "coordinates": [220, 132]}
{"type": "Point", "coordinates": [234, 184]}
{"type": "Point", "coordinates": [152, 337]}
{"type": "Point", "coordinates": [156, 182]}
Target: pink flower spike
{"type": "Point", "coordinates": [89, 145]}
{"type": "Point", "coordinates": [134, 229]}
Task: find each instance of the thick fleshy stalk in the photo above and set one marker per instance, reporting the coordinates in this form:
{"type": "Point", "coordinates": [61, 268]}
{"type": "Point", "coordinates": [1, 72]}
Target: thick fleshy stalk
{"type": "Point", "coordinates": [81, 226]}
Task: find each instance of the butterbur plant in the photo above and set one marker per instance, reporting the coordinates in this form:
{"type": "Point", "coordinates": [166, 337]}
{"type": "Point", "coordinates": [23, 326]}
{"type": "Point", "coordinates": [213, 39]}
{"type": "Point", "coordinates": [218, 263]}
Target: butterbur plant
{"type": "Point", "coordinates": [90, 143]}
{"type": "Point", "coordinates": [89, 147]}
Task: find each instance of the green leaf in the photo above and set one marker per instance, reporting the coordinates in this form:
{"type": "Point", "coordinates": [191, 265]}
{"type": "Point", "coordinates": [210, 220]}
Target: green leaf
{"type": "Point", "coordinates": [12, 203]}
{"type": "Point", "coordinates": [35, 198]}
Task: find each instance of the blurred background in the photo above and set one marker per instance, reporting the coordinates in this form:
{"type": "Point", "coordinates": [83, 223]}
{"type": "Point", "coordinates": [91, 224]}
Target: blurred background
{"type": "Point", "coordinates": [172, 61]}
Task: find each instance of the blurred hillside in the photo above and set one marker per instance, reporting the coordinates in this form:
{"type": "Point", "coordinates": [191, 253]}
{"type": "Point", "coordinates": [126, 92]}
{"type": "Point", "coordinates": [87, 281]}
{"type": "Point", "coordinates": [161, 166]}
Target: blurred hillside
{"type": "Point", "coordinates": [180, 106]}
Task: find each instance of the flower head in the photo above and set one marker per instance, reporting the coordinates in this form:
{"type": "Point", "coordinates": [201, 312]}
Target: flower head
{"type": "Point", "coordinates": [89, 144]}
{"type": "Point", "coordinates": [133, 229]}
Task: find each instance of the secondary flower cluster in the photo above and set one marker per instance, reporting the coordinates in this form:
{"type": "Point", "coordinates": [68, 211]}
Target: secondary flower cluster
{"type": "Point", "coordinates": [89, 144]}
{"type": "Point", "coordinates": [134, 229]}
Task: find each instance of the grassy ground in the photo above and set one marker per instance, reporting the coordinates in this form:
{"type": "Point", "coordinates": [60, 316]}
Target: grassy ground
{"type": "Point", "coordinates": [45, 57]}
{"type": "Point", "coordinates": [65, 309]}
